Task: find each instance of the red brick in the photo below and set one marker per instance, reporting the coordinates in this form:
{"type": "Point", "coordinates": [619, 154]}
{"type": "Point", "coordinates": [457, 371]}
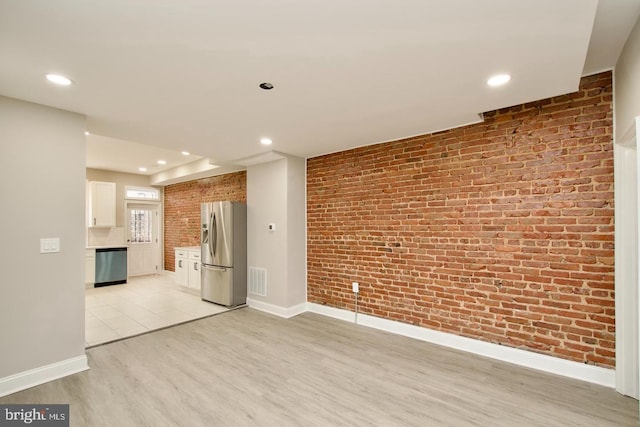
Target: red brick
{"type": "Point", "coordinates": [508, 222]}
{"type": "Point", "coordinates": [182, 208]}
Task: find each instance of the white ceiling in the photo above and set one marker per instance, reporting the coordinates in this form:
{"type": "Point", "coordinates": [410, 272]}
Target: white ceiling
{"type": "Point", "coordinates": [125, 156]}
{"type": "Point", "coordinates": [184, 75]}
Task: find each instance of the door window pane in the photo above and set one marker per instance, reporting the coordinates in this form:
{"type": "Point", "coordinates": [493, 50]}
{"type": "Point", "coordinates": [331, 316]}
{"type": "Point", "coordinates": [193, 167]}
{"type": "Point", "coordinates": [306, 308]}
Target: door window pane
{"type": "Point", "coordinates": [140, 226]}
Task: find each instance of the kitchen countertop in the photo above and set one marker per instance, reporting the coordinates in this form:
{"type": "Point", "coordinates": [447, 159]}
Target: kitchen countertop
{"type": "Point", "coordinates": [107, 247]}
{"type": "Point", "coordinates": [188, 248]}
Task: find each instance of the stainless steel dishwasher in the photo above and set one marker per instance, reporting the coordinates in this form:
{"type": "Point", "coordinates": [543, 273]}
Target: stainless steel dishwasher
{"type": "Point", "coordinates": [111, 266]}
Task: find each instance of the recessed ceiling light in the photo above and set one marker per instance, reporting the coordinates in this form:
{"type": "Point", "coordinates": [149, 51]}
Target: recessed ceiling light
{"type": "Point", "coordinates": [265, 141]}
{"type": "Point", "coordinates": [266, 86]}
{"type": "Point", "coordinates": [86, 132]}
{"type": "Point", "coordinates": [142, 169]}
{"type": "Point", "coordinates": [162, 162]}
{"type": "Point", "coordinates": [185, 153]}
{"type": "Point", "coordinates": [59, 80]}
{"type": "Point", "coordinates": [498, 79]}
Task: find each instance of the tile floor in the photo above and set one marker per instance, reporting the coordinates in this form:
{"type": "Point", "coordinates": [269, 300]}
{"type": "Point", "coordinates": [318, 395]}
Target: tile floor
{"type": "Point", "coordinates": [143, 304]}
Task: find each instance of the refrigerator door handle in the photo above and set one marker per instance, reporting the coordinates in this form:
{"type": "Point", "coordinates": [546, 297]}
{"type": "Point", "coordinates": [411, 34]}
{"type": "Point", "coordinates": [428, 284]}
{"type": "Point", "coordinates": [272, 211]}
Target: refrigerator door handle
{"type": "Point", "coordinates": [213, 243]}
{"type": "Point", "coordinates": [211, 267]}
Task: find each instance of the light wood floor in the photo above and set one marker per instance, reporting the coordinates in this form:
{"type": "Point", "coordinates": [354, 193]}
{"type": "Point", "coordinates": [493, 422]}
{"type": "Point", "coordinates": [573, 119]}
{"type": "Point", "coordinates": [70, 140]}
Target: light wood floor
{"type": "Point", "coordinates": [245, 367]}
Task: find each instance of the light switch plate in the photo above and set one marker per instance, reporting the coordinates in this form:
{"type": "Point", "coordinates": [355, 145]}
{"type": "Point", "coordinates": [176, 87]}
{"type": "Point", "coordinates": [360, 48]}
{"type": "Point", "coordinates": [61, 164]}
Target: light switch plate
{"type": "Point", "coordinates": [50, 245]}
{"type": "Point", "coordinates": [272, 227]}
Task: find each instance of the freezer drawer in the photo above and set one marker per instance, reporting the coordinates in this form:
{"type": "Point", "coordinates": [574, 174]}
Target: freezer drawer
{"type": "Point", "coordinates": [218, 286]}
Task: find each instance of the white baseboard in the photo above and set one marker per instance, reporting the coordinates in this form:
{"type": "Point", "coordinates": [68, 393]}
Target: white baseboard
{"type": "Point", "coordinates": [33, 377]}
{"type": "Point", "coordinates": [541, 362]}
{"type": "Point", "coordinates": [285, 312]}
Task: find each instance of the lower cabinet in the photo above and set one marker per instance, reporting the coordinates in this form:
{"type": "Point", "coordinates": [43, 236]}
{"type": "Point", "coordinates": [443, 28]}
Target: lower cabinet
{"type": "Point", "coordinates": [188, 268]}
{"type": "Point", "coordinates": [182, 267]}
{"type": "Point", "coordinates": [90, 268]}
{"type": "Point", "coordinates": [194, 271]}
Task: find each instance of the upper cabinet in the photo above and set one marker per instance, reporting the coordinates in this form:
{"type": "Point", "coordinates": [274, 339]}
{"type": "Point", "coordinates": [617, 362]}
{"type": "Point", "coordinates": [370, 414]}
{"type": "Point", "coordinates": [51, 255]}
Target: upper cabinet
{"type": "Point", "coordinates": [102, 204]}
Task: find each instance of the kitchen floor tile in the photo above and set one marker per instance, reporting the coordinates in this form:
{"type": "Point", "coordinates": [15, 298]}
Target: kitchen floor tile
{"type": "Point", "coordinates": [130, 330]}
{"type": "Point", "coordinates": [143, 304]}
{"type": "Point", "coordinates": [121, 322]}
{"type": "Point", "coordinates": [158, 323]}
{"type": "Point", "coordinates": [97, 335]}
{"type": "Point", "coordinates": [105, 312]}
{"type": "Point", "coordinates": [93, 322]}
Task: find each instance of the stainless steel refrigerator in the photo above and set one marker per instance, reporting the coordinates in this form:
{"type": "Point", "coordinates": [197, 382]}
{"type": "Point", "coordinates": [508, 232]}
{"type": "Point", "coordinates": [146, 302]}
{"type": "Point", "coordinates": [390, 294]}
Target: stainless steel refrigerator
{"type": "Point", "coordinates": [224, 253]}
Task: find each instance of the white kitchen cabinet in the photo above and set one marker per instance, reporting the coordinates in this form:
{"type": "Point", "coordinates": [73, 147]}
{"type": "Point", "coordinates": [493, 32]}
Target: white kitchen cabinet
{"type": "Point", "coordinates": [188, 268]}
{"type": "Point", "coordinates": [194, 270]}
{"type": "Point", "coordinates": [102, 204]}
{"type": "Point", "coordinates": [90, 268]}
{"type": "Point", "coordinates": [182, 267]}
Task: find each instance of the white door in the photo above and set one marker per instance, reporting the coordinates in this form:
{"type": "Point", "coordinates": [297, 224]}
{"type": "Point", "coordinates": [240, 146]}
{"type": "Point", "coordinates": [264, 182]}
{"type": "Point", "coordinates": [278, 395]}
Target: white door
{"type": "Point", "coordinates": [143, 238]}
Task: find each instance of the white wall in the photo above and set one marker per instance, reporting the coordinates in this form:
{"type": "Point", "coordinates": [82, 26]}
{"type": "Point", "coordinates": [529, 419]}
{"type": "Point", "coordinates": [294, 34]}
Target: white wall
{"type": "Point", "coordinates": [296, 231]}
{"type": "Point", "coordinates": [42, 162]}
{"type": "Point", "coordinates": [626, 108]}
{"type": "Point", "coordinates": [627, 84]}
{"type": "Point", "coordinates": [276, 194]}
{"type": "Point", "coordinates": [121, 180]}
{"type": "Point", "coordinates": [267, 203]}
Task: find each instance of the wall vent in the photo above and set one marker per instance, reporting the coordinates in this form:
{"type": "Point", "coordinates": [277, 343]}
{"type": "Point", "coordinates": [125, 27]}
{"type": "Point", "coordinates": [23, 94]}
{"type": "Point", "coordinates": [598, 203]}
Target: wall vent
{"type": "Point", "coordinates": [257, 281]}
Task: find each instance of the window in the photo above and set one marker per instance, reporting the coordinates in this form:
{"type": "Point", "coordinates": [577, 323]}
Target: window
{"type": "Point", "coordinates": [140, 222]}
{"type": "Point", "coordinates": [140, 193]}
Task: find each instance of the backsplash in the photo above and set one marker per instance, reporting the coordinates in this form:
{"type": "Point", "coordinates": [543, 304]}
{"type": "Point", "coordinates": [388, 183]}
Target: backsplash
{"type": "Point", "coordinates": [106, 236]}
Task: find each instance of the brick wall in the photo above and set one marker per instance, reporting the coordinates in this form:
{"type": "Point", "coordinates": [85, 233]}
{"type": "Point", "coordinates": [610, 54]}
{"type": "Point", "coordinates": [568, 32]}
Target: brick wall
{"type": "Point", "coordinates": [500, 231]}
{"type": "Point", "coordinates": [182, 208]}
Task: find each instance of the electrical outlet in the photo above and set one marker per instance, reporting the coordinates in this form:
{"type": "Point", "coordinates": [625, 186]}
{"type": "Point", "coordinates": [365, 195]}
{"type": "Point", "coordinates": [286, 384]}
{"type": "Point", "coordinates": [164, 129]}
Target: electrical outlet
{"type": "Point", "coordinates": [356, 287]}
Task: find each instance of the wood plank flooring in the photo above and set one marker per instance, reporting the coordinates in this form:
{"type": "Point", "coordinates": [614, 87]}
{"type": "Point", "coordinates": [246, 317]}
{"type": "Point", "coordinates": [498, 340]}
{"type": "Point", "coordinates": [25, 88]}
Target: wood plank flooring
{"type": "Point", "coordinates": [245, 368]}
